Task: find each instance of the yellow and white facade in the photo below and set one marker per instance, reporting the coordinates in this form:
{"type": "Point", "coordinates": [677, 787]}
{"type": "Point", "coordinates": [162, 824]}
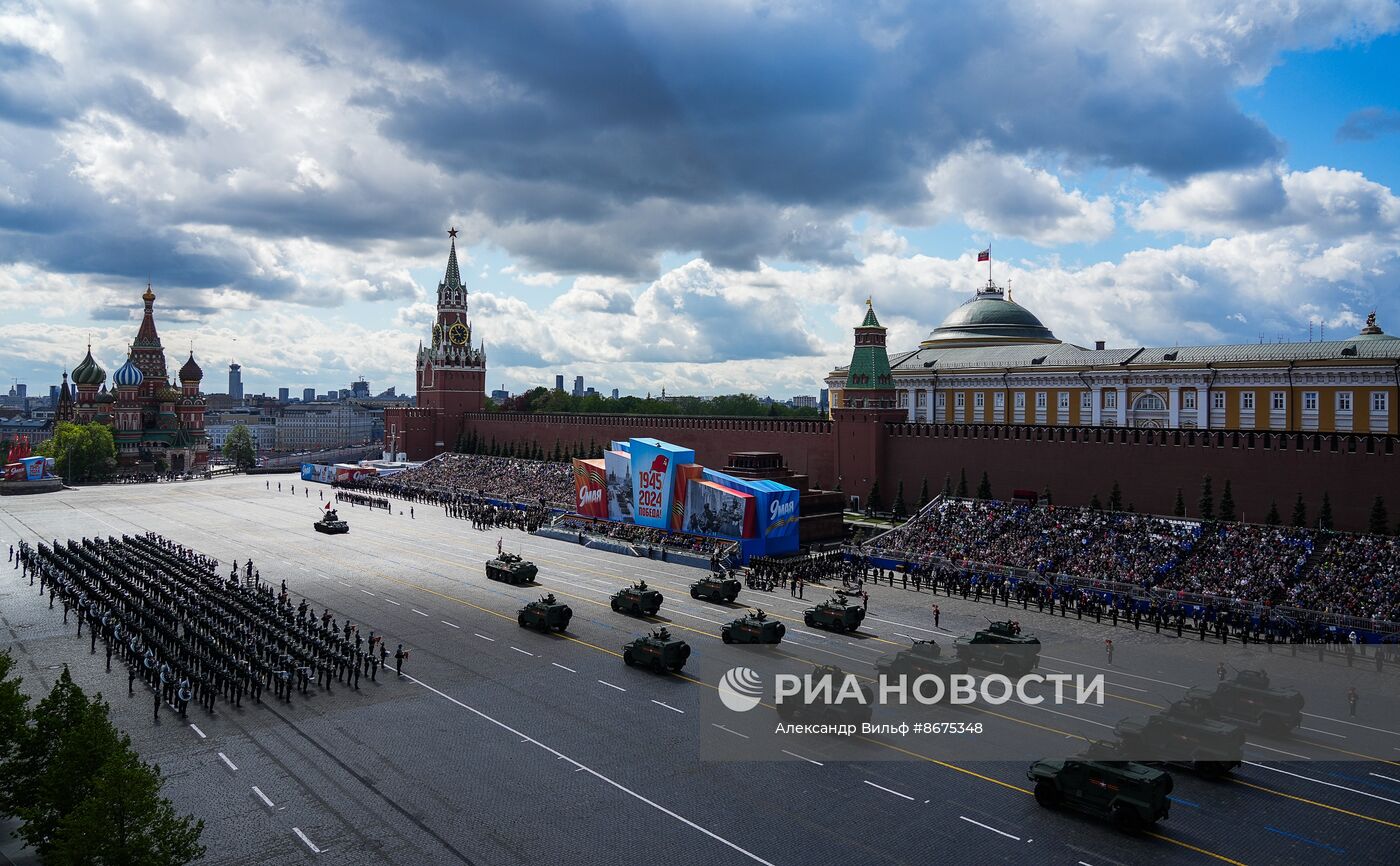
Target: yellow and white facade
{"type": "Point", "coordinates": [993, 362]}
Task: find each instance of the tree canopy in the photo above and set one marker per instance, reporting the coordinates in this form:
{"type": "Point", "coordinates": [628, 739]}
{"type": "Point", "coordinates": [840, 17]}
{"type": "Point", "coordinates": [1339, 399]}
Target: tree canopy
{"type": "Point", "coordinates": [239, 449]}
{"type": "Point", "coordinates": [81, 452]}
{"type": "Point", "coordinates": [541, 399]}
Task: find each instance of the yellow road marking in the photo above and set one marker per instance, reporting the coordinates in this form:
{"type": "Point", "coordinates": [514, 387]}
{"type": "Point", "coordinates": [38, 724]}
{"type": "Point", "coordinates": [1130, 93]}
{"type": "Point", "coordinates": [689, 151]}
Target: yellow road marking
{"type": "Point", "coordinates": [1313, 803]}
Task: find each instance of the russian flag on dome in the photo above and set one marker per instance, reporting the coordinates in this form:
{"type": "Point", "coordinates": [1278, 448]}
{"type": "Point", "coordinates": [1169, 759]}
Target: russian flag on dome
{"type": "Point", "coordinates": [985, 255]}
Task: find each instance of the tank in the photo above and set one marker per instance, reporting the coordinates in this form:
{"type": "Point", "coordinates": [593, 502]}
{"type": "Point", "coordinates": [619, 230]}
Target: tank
{"type": "Point", "coordinates": [1249, 700]}
{"type": "Point", "coordinates": [510, 568]}
{"type": "Point", "coordinates": [849, 711]}
{"type": "Point", "coordinates": [923, 657]}
{"type": "Point", "coordinates": [545, 614]}
{"type": "Point", "coordinates": [713, 587]}
{"type": "Point", "coordinates": [836, 613]}
{"type": "Point", "coordinates": [753, 627]}
{"type": "Point", "coordinates": [1186, 734]}
{"type": "Point", "coordinates": [637, 600]}
{"type": "Point", "coordinates": [1133, 796]}
{"type": "Point", "coordinates": [331, 524]}
{"type": "Point", "coordinates": [1000, 646]}
{"type": "Point", "coordinates": [658, 650]}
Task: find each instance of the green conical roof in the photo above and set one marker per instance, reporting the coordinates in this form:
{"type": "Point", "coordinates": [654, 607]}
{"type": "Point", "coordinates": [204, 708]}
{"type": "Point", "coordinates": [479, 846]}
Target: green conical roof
{"type": "Point", "coordinates": [870, 321]}
{"type": "Point", "coordinates": [870, 362]}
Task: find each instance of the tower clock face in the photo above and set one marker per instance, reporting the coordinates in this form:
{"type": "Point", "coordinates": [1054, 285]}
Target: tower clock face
{"type": "Point", "coordinates": [437, 334]}
{"type": "Point", "coordinates": [457, 334]}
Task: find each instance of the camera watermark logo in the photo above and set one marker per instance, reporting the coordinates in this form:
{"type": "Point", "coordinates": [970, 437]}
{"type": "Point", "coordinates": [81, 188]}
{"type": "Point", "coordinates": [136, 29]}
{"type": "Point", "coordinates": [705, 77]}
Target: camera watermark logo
{"type": "Point", "coordinates": [741, 689]}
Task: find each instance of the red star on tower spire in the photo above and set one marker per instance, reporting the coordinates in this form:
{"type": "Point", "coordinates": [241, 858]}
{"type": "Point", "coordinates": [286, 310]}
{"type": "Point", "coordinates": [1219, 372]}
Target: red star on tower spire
{"type": "Point", "coordinates": [452, 232]}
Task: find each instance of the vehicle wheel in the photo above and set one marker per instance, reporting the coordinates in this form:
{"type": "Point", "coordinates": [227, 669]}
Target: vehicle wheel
{"type": "Point", "coordinates": [659, 666]}
{"type": "Point", "coordinates": [807, 618]}
{"type": "Point", "coordinates": [724, 636]}
{"type": "Point", "coordinates": [1126, 819]}
{"type": "Point", "coordinates": [521, 619]}
{"type": "Point", "coordinates": [617, 608]}
{"type": "Point", "coordinates": [628, 657]}
{"type": "Point", "coordinates": [730, 598]}
{"type": "Point", "coordinates": [1046, 794]}
{"type": "Point", "coordinates": [695, 593]}
{"type": "Point", "coordinates": [677, 667]}
{"type": "Point", "coordinates": [838, 626]}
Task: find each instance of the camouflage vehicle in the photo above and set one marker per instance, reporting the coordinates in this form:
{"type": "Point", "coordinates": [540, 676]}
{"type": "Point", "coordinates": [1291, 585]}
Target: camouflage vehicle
{"type": "Point", "coordinates": [1000, 646]}
{"type": "Point", "coordinates": [924, 657]}
{"type": "Point", "coordinates": [545, 614]}
{"type": "Point", "coordinates": [753, 627]}
{"type": "Point", "coordinates": [331, 524]}
{"type": "Point", "coordinates": [638, 600]}
{"type": "Point", "coordinates": [849, 711]}
{"type": "Point", "coordinates": [716, 587]}
{"type": "Point", "coordinates": [659, 651]}
{"type": "Point", "coordinates": [1133, 796]}
{"type": "Point", "coordinates": [1185, 733]}
{"type": "Point", "coordinates": [510, 568]}
{"type": "Point", "coordinates": [836, 613]}
{"type": "Point", "coordinates": [1249, 700]}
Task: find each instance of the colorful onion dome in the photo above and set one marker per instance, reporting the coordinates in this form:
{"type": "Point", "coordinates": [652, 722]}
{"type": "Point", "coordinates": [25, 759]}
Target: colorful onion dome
{"type": "Point", "coordinates": [129, 376]}
{"type": "Point", "coordinates": [89, 372]}
{"type": "Point", "coordinates": [191, 371]}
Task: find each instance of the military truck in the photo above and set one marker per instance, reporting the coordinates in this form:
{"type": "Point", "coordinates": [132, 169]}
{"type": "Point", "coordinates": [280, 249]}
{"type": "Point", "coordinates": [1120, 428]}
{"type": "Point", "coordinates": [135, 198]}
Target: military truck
{"type": "Point", "coordinates": [1185, 733]}
{"type": "Point", "coordinates": [545, 614]}
{"type": "Point", "coordinates": [850, 711]}
{"type": "Point", "coordinates": [331, 524]}
{"type": "Point", "coordinates": [637, 600]}
{"type": "Point", "coordinates": [1133, 796]}
{"type": "Point", "coordinates": [716, 587]}
{"type": "Point", "coordinates": [510, 568]}
{"type": "Point", "coordinates": [1249, 700]}
{"type": "Point", "coordinates": [1000, 646]}
{"type": "Point", "coordinates": [659, 651]}
{"type": "Point", "coordinates": [753, 627]}
{"type": "Point", "coordinates": [836, 613]}
{"type": "Point", "coordinates": [923, 657]}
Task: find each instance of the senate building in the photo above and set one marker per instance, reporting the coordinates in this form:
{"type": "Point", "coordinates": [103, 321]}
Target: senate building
{"type": "Point", "coordinates": [991, 361]}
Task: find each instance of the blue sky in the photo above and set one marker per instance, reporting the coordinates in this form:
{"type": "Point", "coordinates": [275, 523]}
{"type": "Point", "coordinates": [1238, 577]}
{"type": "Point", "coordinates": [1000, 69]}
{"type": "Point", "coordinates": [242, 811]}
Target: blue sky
{"type": "Point", "coordinates": [689, 195]}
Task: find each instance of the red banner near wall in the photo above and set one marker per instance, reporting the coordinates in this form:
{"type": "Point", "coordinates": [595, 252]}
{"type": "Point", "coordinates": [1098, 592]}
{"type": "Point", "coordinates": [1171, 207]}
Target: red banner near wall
{"type": "Point", "coordinates": [590, 488]}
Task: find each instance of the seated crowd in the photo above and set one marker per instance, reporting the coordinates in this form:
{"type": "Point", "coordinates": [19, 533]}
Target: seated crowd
{"type": "Point", "coordinates": [512, 479]}
{"type": "Point", "coordinates": [644, 536]}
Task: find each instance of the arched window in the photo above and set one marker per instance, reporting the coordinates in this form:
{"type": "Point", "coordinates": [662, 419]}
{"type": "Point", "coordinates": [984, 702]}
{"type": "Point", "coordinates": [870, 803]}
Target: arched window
{"type": "Point", "coordinates": [1149, 403]}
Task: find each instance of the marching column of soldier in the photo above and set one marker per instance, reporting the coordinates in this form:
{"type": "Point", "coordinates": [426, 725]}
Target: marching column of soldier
{"type": "Point", "coordinates": [190, 635]}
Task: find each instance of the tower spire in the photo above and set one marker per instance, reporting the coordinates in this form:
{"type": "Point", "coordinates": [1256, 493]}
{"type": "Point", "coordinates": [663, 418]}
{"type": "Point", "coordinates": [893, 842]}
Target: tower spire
{"type": "Point", "coordinates": [453, 278]}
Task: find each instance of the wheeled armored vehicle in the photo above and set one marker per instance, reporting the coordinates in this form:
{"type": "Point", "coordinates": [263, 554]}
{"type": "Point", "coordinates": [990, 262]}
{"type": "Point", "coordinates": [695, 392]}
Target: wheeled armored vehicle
{"type": "Point", "coordinates": [1133, 796]}
{"type": "Point", "coordinates": [716, 587]}
{"type": "Point", "coordinates": [658, 650]}
{"type": "Point", "coordinates": [1000, 646]}
{"type": "Point", "coordinates": [510, 568]}
{"type": "Point", "coordinates": [1249, 700]}
{"type": "Point", "coordinates": [1185, 733]}
{"type": "Point", "coordinates": [754, 627]}
{"type": "Point", "coordinates": [545, 614]}
{"type": "Point", "coordinates": [833, 705]}
{"type": "Point", "coordinates": [836, 613]}
{"type": "Point", "coordinates": [637, 600]}
{"type": "Point", "coordinates": [923, 657]}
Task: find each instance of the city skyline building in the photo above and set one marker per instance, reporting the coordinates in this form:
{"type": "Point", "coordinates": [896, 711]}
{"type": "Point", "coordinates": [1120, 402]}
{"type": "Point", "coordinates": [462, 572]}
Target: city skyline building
{"type": "Point", "coordinates": [235, 381]}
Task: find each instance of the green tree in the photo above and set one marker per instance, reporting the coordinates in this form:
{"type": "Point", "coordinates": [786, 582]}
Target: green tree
{"type": "Point", "coordinates": [923, 494]}
{"type": "Point", "coordinates": [1273, 518]}
{"type": "Point", "coordinates": [962, 483]}
{"type": "Point", "coordinates": [873, 501]}
{"type": "Point", "coordinates": [984, 487]}
{"type": "Point", "coordinates": [14, 725]}
{"type": "Point", "coordinates": [1045, 497]}
{"type": "Point", "coordinates": [1300, 512]}
{"type": "Point", "coordinates": [1227, 503]}
{"type": "Point", "coordinates": [81, 452]}
{"type": "Point", "coordinates": [900, 510]}
{"type": "Point", "coordinates": [948, 485]}
{"type": "Point", "coordinates": [1094, 503]}
{"type": "Point", "coordinates": [1179, 509]}
{"type": "Point", "coordinates": [1207, 504]}
{"type": "Point", "coordinates": [124, 821]}
{"type": "Point", "coordinates": [1115, 497]}
{"type": "Point", "coordinates": [1380, 519]}
{"type": "Point", "coordinates": [239, 449]}
{"type": "Point", "coordinates": [1324, 513]}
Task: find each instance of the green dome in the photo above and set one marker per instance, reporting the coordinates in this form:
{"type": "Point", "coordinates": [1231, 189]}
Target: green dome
{"type": "Point", "coordinates": [989, 319]}
{"type": "Point", "coordinates": [89, 372]}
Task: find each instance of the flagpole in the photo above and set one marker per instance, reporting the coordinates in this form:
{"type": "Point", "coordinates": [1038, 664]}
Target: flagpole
{"type": "Point", "coordinates": [989, 264]}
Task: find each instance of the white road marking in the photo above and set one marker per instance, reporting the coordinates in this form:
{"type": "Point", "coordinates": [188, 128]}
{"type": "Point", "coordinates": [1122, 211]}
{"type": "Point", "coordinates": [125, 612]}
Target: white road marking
{"type": "Point", "coordinates": [445, 622]}
{"type": "Point", "coordinates": [198, 731]}
{"type": "Point", "coordinates": [1328, 784]}
{"type": "Point", "coordinates": [522, 652]}
{"type": "Point", "coordinates": [570, 670]}
{"type": "Point", "coordinates": [263, 797]}
{"type": "Point", "coordinates": [730, 731]}
{"type": "Point", "coordinates": [394, 603]}
{"type": "Point", "coordinates": [1353, 724]}
{"type": "Point", "coordinates": [309, 844]}
{"type": "Point", "coordinates": [484, 637]}
{"type": "Point", "coordinates": [1387, 778]}
{"type": "Point", "coordinates": [597, 775]}
{"type": "Point", "coordinates": [417, 611]}
{"type": "Point", "coordinates": [887, 790]}
{"type": "Point", "coordinates": [669, 707]}
{"type": "Point", "coordinates": [914, 627]}
{"type": "Point", "coordinates": [1129, 688]}
{"type": "Point", "coordinates": [1069, 716]}
{"type": "Point", "coordinates": [366, 592]}
{"type": "Point", "coordinates": [1280, 751]}
{"type": "Point", "coordinates": [993, 829]}
{"type": "Point", "coordinates": [808, 760]}
{"type": "Point", "coordinates": [808, 633]}
{"type": "Point", "coordinates": [231, 765]}
{"type": "Point", "coordinates": [1320, 731]}
{"type": "Point", "coordinates": [342, 583]}
{"type": "Point", "coordinates": [1116, 671]}
{"type": "Point", "coordinates": [611, 686]}
{"type": "Point", "coordinates": [861, 646]}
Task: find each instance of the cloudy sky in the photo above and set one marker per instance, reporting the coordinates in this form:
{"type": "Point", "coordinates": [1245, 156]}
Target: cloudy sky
{"type": "Point", "coordinates": [690, 195]}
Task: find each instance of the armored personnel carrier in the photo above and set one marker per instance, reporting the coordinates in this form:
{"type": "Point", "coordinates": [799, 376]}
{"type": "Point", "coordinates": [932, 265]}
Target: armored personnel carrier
{"type": "Point", "coordinates": [1185, 733]}
{"type": "Point", "coordinates": [836, 613]}
{"type": "Point", "coordinates": [1000, 646]}
{"type": "Point", "coordinates": [924, 657]}
{"type": "Point", "coordinates": [510, 568]}
{"type": "Point", "coordinates": [716, 587]}
{"type": "Point", "coordinates": [659, 651]}
{"type": "Point", "coordinates": [637, 599]}
{"type": "Point", "coordinates": [1133, 796]}
{"type": "Point", "coordinates": [753, 627]}
{"type": "Point", "coordinates": [1249, 700]}
{"type": "Point", "coordinates": [825, 708]}
{"type": "Point", "coordinates": [545, 614]}
{"type": "Point", "coordinates": [331, 524]}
